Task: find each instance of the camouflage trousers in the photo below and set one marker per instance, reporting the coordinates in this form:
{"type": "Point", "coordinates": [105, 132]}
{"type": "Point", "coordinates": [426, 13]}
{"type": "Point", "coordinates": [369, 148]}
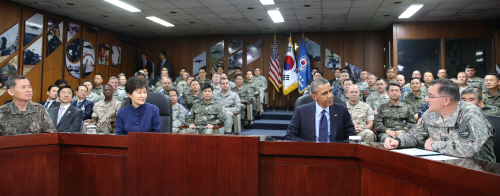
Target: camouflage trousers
{"type": "Point", "coordinates": [367, 135]}
{"type": "Point", "coordinates": [196, 131]}
{"type": "Point", "coordinates": [383, 136]}
{"type": "Point", "coordinates": [175, 126]}
{"type": "Point", "coordinates": [100, 129]}
{"type": "Point", "coordinates": [228, 122]}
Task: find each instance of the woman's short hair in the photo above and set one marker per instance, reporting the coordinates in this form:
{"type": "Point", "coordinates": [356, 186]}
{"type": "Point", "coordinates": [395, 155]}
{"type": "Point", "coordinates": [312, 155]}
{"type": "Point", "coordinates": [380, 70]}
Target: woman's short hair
{"type": "Point", "coordinates": [135, 83]}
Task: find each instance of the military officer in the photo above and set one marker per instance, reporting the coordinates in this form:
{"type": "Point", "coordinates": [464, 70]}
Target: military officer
{"type": "Point", "coordinates": [491, 95]}
{"type": "Point", "coordinates": [381, 97]}
{"type": "Point", "coordinates": [252, 87]}
{"type": "Point", "coordinates": [473, 80]}
{"type": "Point", "coordinates": [261, 83]}
{"type": "Point", "coordinates": [90, 95]}
{"type": "Point", "coordinates": [118, 95]}
{"type": "Point", "coordinates": [192, 96]}
{"type": "Point", "coordinates": [390, 73]}
{"type": "Point", "coordinates": [97, 89]}
{"type": "Point", "coordinates": [361, 114]}
{"type": "Point", "coordinates": [363, 84]}
{"type": "Point", "coordinates": [183, 84]}
{"type": "Point", "coordinates": [178, 112]}
{"type": "Point", "coordinates": [205, 114]}
{"type": "Point", "coordinates": [104, 112]}
{"type": "Point", "coordinates": [237, 71]}
{"type": "Point", "coordinates": [475, 97]}
{"type": "Point", "coordinates": [338, 89]}
{"type": "Point", "coordinates": [371, 87]}
{"type": "Point", "coordinates": [317, 74]}
{"type": "Point", "coordinates": [243, 93]}
{"type": "Point", "coordinates": [180, 77]}
{"type": "Point", "coordinates": [231, 84]}
{"type": "Point", "coordinates": [230, 102]}
{"type": "Point", "coordinates": [164, 73]}
{"type": "Point", "coordinates": [462, 81]}
{"type": "Point", "coordinates": [201, 78]}
{"type": "Point", "coordinates": [416, 98]}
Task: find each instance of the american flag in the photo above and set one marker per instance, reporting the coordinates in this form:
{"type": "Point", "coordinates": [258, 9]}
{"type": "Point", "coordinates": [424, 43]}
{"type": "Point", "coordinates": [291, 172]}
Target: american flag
{"type": "Point", "coordinates": [274, 68]}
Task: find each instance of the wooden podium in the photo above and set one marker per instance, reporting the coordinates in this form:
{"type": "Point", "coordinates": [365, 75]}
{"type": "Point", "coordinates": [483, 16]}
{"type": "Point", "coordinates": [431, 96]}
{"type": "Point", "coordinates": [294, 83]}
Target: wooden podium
{"type": "Point", "coordinates": [175, 164]}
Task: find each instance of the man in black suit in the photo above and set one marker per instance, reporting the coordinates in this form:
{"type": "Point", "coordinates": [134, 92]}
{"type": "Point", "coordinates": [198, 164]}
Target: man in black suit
{"type": "Point", "coordinates": [313, 71]}
{"type": "Point", "coordinates": [82, 103]}
{"type": "Point", "coordinates": [337, 73]}
{"type": "Point", "coordinates": [163, 63]}
{"type": "Point", "coordinates": [330, 122]}
{"type": "Point", "coordinates": [51, 100]}
{"type": "Point", "coordinates": [66, 118]}
{"type": "Point", "coordinates": [144, 64]}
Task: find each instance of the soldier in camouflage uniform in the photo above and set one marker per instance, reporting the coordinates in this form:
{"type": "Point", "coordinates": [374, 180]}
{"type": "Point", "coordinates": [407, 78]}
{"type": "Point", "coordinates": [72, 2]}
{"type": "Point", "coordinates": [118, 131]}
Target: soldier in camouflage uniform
{"type": "Point", "coordinates": [416, 98]}
{"type": "Point", "coordinates": [491, 95]}
{"type": "Point", "coordinates": [178, 112]}
{"type": "Point", "coordinates": [97, 89]}
{"type": "Point", "coordinates": [237, 71]}
{"type": "Point", "coordinates": [190, 97]}
{"type": "Point", "coordinates": [184, 86]}
{"type": "Point", "coordinates": [202, 73]}
{"type": "Point", "coordinates": [216, 81]}
{"type": "Point", "coordinates": [178, 82]}
{"type": "Point", "coordinates": [120, 96]}
{"type": "Point", "coordinates": [230, 102]}
{"type": "Point", "coordinates": [347, 83]}
{"type": "Point", "coordinates": [400, 80]}
{"type": "Point", "coordinates": [338, 89]}
{"type": "Point", "coordinates": [450, 127]}
{"type": "Point", "coordinates": [361, 114]}
{"type": "Point", "coordinates": [164, 73]}
{"type": "Point", "coordinates": [317, 74]}
{"type": "Point", "coordinates": [180, 77]}
{"type": "Point", "coordinates": [90, 95]}
{"type": "Point", "coordinates": [472, 80]}
{"type": "Point", "coordinates": [253, 88]}
{"type": "Point", "coordinates": [231, 84]}
{"type": "Point", "coordinates": [22, 116]}
{"type": "Point", "coordinates": [363, 84]}
{"type": "Point", "coordinates": [390, 73]}
{"type": "Point", "coordinates": [370, 89]}
{"type": "Point", "coordinates": [381, 97]}
{"type": "Point", "coordinates": [121, 84]}
{"type": "Point", "coordinates": [393, 117]}
{"type": "Point", "coordinates": [205, 114]}
{"type": "Point", "coordinates": [104, 113]}
{"type": "Point", "coordinates": [243, 93]}
{"type": "Point", "coordinates": [261, 83]}
{"type": "Point", "coordinates": [475, 97]}
{"type": "Point", "coordinates": [462, 81]}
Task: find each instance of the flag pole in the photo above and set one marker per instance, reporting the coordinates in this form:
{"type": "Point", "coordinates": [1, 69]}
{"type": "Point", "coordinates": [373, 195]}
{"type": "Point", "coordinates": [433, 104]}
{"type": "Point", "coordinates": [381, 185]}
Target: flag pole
{"type": "Point", "coordinates": [274, 91]}
{"type": "Point", "coordinates": [287, 102]}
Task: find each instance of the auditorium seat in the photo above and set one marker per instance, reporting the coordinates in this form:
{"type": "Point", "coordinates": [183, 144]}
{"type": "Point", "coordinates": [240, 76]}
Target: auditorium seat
{"type": "Point", "coordinates": [495, 121]}
{"type": "Point", "coordinates": [164, 105]}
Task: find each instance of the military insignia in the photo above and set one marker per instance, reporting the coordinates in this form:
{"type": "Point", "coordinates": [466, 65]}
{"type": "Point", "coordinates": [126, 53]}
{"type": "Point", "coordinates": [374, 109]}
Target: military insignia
{"type": "Point", "coordinates": [404, 121]}
{"type": "Point", "coordinates": [419, 122]}
{"type": "Point", "coordinates": [463, 131]}
{"type": "Point", "coordinates": [212, 116]}
{"type": "Point", "coordinates": [189, 113]}
{"type": "Point", "coordinates": [376, 112]}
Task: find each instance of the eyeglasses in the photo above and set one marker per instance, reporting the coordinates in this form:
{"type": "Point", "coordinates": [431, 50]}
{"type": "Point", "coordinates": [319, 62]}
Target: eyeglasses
{"type": "Point", "coordinates": [436, 97]}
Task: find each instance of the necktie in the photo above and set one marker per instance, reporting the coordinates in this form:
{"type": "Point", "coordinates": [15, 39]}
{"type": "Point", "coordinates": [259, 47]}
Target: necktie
{"type": "Point", "coordinates": [47, 105]}
{"type": "Point", "coordinates": [161, 67]}
{"type": "Point", "coordinates": [61, 113]}
{"type": "Point", "coordinates": [323, 128]}
{"type": "Point", "coordinates": [78, 105]}
{"type": "Point", "coordinates": [144, 65]}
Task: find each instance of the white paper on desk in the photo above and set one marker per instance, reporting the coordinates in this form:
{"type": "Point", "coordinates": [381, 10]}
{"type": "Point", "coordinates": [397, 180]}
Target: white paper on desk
{"type": "Point", "coordinates": [438, 157]}
{"type": "Point", "coordinates": [416, 152]}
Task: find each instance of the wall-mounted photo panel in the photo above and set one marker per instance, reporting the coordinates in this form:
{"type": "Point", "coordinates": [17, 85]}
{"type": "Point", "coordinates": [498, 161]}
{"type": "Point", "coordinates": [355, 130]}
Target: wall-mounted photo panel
{"type": "Point", "coordinates": [8, 42]}
{"type": "Point", "coordinates": [33, 28]}
{"type": "Point", "coordinates": [73, 29]}
{"type": "Point", "coordinates": [214, 68]}
{"type": "Point", "coordinates": [314, 50]}
{"type": "Point", "coordinates": [8, 70]}
{"type": "Point", "coordinates": [73, 55]}
{"type": "Point", "coordinates": [54, 38]}
{"type": "Point", "coordinates": [32, 56]}
{"type": "Point", "coordinates": [332, 60]}
{"type": "Point", "coordinates": [88, 62]}
{"type": "Point", "coordinates": [354, 72]}
{"type": "Point", "coordinates": [103, 54]}
{"type": "Point", "coordinates": [235, 61]}
{"type": "Point", "coordinates": [254, 51]}
{"type": "Point", "coordinates": [116, 56]}
{"type": "Point", "coordinates": [234, 45]}
{"type": "Point", "coordinates": [217, 52]}
{"type": "Point", "coordinates": [52, 22]}
{"type": "Point", "coordinates": [199, 61]}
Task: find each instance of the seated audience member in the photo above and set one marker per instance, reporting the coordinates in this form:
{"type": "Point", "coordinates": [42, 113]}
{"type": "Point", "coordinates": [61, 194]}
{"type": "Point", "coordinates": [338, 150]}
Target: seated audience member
{"type": "Point", "coordinates": [313, 70]}
{"type": "Point", "coordinates": [338, 89]}
{"type": "Point", "coordinates": [393, 117]}
{"type": "Point", "coordinates": [205, 114]}
{"type": "Point", "coordinates": [474, 96]}
{"type": "Point", "coordinates": [52, 99]}
{"type": "Point", "coordinates": [361, 114]}
{"type": "Point", "coordinates": [98, 88]}
{"type": "Point", "coordinates": [230, 102]}
{"type": "Point", "coordinates": [180, 76]}
{"type": "Point", "coordinates": [216, 81]}
{"type": "Point", "coordinates": [90, 95]}
{"type": "Point", "coordinates": [380, 97]}
{"type": "Point", "coordinates": [347, 83]}
{"type": "Point", "coordinates": [66, 118]}
{"type": "Point", "coordinates": [390, 73]}
{"type": "Point", "coordinates": [121, 83]}
{"type": "Point", "coordinates": [120, 74]}
{"type": "Point", "coordinates": [330, 122]}
{"type": "Point", "coordinates": [442, 73]}
{"type": "Point", "coordinates": [178, 112]}
{"type": "Point", "coordinates": [183, 83]}
{"type": "Point", "coordinates": [415, 74]}
{"type": "Point", "coordinates": [61, 82]}
{"type": "Point", "coordinates": [190, 97]}
{"type": "Point", "coordinates": [150, 80]}
{"type": "Point", "coordinates": [104, 112]}
{"type": "Point", "coordinates": [371, 79]}
{"type": "Point", "coordinates": [22, 116]}
{"type": "Point", "coordinates": [253, 88]}
{"type": "Point", "coordinates": [261, 82]}
{"type": "Point", "coordinates": [164, 73]}
{"type": "Point", "coordinates": [472, 80]}
{"type": "Point", "coordinates": [317, 74]}
{"type": "Point", "coordinates": [462, 81]}
{"type": "Point", "coordinates": [82, 103]}
{"type": "Point", "coordinates": [243, 93]}
{"type": "Point", "coordinates": [428, 78]}
{"type": "Point", "coordinates": [454, 80]}
{"type": "Point", "coordinates": [237, 71]}
{"type": "Point", "coordinates": [450, 127]}
{"type": "Point", "coordinates": [139, 116]}
{"type": "Point", "coordinates": [231, 84]}
{"type": "Point", "coordinates": [141, 75]}
{"type": "Point", "coordinates": [363, 84]}
{"type": "Point", "coordinates": [416, 98]}
{"type": "Point", "coordinates": [220, 69]}
{"type": "Point", "coordinates": [337, 73]}
{"type": "Point", "coordinates": [201, 78]}
{"type": "Point", "coordinates": [400, 81]}
{"type": "Point", "coordinates": [120, 96]}
{"type": "Point", "coordinates": [491, 95]}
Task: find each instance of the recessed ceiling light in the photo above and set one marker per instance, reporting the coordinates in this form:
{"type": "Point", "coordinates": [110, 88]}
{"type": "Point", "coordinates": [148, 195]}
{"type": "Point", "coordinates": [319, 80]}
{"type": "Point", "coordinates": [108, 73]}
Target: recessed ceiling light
{"type": "Point", "coordinates": [309, 17]}
{"type": "Point", "coordinates": [386, 15]}
{"type": "Point", "coordinates": [160, 21]}
{"type": "Point", "coordinates": [249, 8]}
{"type": "Point", "coordinates": [123, 5]}
{"type": "Point", "coordinates": [411, 10]}
{"type": "Point", "coordinates": [131, 25]}
{"type": "Point", "coordinates": [192, 22]}
{"type": "Point", "coordinates": [260, 19]}
{"type": "Point", "coordinates": [267, 2]}
{"type": "Point", "coordinates": [70, 4]}
{"type": "Point", "coordinates": [310, 26]}
{"type": "Point", "coordinates": [307, 5]}
{"type": "Point", "coordinates": [173, 12]}
{"type": "Point", "coordinates": [104, 16]}
{"type": "Point", "coordinates": [397, 2]}
{"type": "Point", "coordinates": [276, 16]}
{"type": "Point", "coordinates": [207, 30]}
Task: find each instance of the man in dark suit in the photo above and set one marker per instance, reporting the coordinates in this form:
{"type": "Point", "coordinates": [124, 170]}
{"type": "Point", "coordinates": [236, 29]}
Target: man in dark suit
{"type": "Point", "coordinates": [330, 122]}
{"type": "Point", "coordinates": [163, 63]}
{"type": "Point", "coordinates": [66, 118]}
{"type": "Point", "coordinates": [51, 100]}
{"type": "Point", "coordinates": [144, 64]}
{"type": "Point", "coordinates": [313, 70]}
{"type": "Point", "coordinates": [82, 103]}
{"type": "Point", "coordinates": [337, 72]}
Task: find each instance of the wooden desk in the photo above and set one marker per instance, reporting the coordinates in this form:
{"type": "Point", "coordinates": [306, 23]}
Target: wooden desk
{"type": "Point", "coordinates": [175, 164]}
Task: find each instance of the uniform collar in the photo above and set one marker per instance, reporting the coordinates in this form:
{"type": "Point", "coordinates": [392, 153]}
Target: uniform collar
{"type": "Point", "coordinates": [15, 110]}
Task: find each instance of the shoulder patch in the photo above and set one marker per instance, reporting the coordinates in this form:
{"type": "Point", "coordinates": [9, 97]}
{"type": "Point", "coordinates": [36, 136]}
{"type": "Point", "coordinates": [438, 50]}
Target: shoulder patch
{"type": "Point", "coordinates": [419, 121]}
{"type": "Point", "coordinates": [463, 131]}
{"type": "Point", "coordinates": [189, 113]}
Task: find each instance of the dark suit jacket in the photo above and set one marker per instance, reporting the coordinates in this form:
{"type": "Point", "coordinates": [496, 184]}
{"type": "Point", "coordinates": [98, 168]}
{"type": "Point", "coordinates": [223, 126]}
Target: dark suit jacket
{"type": "Point", "coordinates": [53, 105]}
{"type": "Point", "coordinates": [149, 67]}
{"type": "Point", "coordinates": [302, 126]}
{"type": "Point", "coordinates": [88, 105]}
{"type": "Point", "coordinates": [71, 120]}
{"type": "Point", "coordinates": [167, 64]}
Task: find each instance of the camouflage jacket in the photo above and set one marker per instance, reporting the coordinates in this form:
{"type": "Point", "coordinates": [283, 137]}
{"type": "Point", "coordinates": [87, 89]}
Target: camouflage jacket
{"type": "Point", "coordinates": [375, 100]}
{"type": "Point", "coordinates": [206, 81]}
{"type": "Point", "coordinates": [468, 133]}
{"type": "Point", "coordinates": [338, 90]}
{"type": "Point", "coordinates": [336, 83]}
{"type": "Point", "coordinates": [189, 99]}
{"type": "Point", "coordinates": [252, 87]}
{"type": "Point", "coordinates": [98, 90]}
{"type": "Point", "coordinates": [91, 97]}
{"type": "Point", "coordinates": [493, 100]}
{"type": "Point", "coordinates": [394, 117]}
{"type": "Point", "coordinates": [491, 110]}
{"type": "Point", "coordinates": [35, 119]}
{"type": "Point", "coordinates": [203, 114]}
{"type": "Point", "coordinates": [260, 81]}
{"type": "Point", "coordinates": [183, 87]}
{"type": "Point", "coordinates": [415, 101]}
{"type": "Point", "coordinates": [229, 102]}
{"type": "Point", "coordinates": [178, 115]}
{"type": "Point", "coordinates": [118, 95]}
{"type": "Point", "coordinates": [243, 93]}
{"type": "Point", "coordinates": [362, 85]}
{"type": "Point", "coordinates": [366, 92]}
{"type": "Point", "coordinates": [360, 113]}
{"type": "Point", "coordinates": [477, 82]}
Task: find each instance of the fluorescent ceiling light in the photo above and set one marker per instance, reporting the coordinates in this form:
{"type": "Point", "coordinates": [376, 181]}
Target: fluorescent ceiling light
{"type": "Point", "coordinates": [276, 16]}
{"type": "Point", "coordinates": [160, 21]}
{"type": "Point", "coordinates": [411, 10]}
{"type": "Point", "coordinates": [123, 5]}
{"type": "Point", "coordinates": [267, 2]}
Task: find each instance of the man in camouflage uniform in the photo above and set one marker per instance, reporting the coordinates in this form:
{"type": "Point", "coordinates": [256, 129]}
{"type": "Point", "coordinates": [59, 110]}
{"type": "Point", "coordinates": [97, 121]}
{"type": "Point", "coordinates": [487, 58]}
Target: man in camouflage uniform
{"type": "Point", "coordinates": [261, 83]}
{"type": "Point", "coordinates": [381, 97]}
{"type": "Point", "coordinates": [22, 116]}
{"type": "Point", "coordinates": [231, 84]}
{"type": "Point", "coordinates": [361, 114]}
{"type": "Point", "coordinates": [121, 83]}
{"type": "Point", "coordinates": [472, 80]}
{"type": "Point", "coordinates": [104, 112]}
{"type": "Point", "coordinates": [201, 78]}
{"type": "Point", "coordinates": [317, 74]}
{"type": "Point", "coordinates": [230, 102]}
{"type": "Point", "coordinates": [363, 84]}
{"type": "Point", "coordinates": [370, 89]}
{"type": "Point", "coordinates": [237, 71]}
{"type": "Point", "coordinates": [390, 73]}
{"type": "Point", "coordinates": [243, 93]}
{"type": "Point", "coordinates": [178, 112]}
{"type": "Point", "coordinates": [205, 114]}
{"type": "Point", "coordinates": [416, 98]}
{"type": "Point", "coordinates": [118, 95]}
{"type": "Point", "coordinates": [450, 127]}
{"type": "Point", "coordinates": [393, 117]}
{"type": "Point", "coordinates": [184, 84]}
{"type": "Point", "coordinates": [97, 89]}
{"type": "Point", "coordinates": [462, 81]}
{"type": "Point", "coordinates": [400, 81]}
{"type": "Point", "coordinates": [491, 95]}
{"type": "Point", "coordinates": [164, 73]}
{"type": "Point", "coordinates": [338, 89]}
{"type": "Point", "coordinates": [180, 77]}
{"type": "Point", "coordinates": [253, 88]}
{"type": "Point", "coordinates": [216, 81]}
{"type": "Point", "coordinates": [475, 97]}
{"type": "Point", "coordinates": [428, 78]}
{"type": "Point", "coordinates": [190, 97]}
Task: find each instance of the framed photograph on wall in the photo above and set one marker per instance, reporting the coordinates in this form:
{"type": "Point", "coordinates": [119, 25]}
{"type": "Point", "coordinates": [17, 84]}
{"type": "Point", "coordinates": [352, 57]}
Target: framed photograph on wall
{"type": "Point", "coordinates": [54, 38]}
{"type": "Point", "coordinates": [32, 56]}
{"type": "Point", "coordinates": [9, 42]}
{"type": "Point", "coordinates": [103, 54]}
{"type": "Point", "coordinates": [116, 56]}
{"type": "Point", "coordinates": [88, 59]}
{"type": "Point", "coordinates": [199, 61]}
{"type": "Point", "coordinates": [7, 71]}
{"type": "Point", "coordinates": [33, 28]}
{"type": "Point", "coordinates": [73, 55]}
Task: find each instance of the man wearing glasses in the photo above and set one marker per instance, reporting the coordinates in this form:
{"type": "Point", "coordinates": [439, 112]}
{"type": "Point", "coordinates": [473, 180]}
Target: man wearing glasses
{"type": "Point", "coordinates": [450, 127]}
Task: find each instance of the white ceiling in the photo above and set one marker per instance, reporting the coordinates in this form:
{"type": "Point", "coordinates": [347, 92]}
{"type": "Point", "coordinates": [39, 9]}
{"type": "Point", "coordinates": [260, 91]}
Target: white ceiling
{"type": "Point", "coordinates": [205, 17]}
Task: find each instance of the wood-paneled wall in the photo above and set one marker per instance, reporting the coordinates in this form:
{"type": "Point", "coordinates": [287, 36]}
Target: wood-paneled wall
{"type": "Point", "coordinates": [362, 49]}
{"type": "Point", "coordinates": [53, 67]}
